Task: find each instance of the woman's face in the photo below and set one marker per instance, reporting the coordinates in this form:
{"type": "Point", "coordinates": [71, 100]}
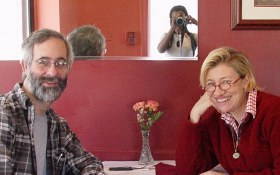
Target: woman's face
{"type": "Point", "coordinates": [232, 100]}
{"type": "Point", "coordinates": [174, 16]}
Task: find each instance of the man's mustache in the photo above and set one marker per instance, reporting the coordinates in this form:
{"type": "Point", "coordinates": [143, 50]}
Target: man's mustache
{"type": "Point", "coordinates": [60, 82]}
{"type": "Point", "coordinates": [50, 79]}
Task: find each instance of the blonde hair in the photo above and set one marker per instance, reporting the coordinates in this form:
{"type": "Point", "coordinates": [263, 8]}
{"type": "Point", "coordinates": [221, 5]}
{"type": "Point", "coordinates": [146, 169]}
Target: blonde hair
{"type": "Point", "coordinates": [231, 57]}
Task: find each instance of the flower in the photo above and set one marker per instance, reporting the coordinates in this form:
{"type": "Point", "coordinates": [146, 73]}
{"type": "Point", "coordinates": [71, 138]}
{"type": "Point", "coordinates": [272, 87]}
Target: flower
{"type": "Point", "coordinates": [147, 114]}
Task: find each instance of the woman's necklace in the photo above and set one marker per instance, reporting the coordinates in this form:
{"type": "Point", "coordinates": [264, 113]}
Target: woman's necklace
{"type": "Point", "coordinates": [179, 40]}
{"type": "Point", "coordinates": [236, 154]}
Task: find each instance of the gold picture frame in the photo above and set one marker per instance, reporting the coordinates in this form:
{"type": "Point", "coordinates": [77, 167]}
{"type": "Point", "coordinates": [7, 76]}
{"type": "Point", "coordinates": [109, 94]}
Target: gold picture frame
{"type": "Point", "coordinates": [265, 17]}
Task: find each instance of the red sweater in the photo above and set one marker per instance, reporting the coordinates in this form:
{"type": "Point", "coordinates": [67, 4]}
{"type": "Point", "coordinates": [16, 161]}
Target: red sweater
{"type": "Point", "coordinates": [203, 145]}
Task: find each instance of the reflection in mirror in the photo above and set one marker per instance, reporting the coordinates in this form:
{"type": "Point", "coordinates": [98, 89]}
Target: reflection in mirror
{"type": "Point", "coordinates": [174, 37]}
{"type": "Point", "coordinates": [122, 22]}
{"type": "Point", "coordinates": [126, 24]}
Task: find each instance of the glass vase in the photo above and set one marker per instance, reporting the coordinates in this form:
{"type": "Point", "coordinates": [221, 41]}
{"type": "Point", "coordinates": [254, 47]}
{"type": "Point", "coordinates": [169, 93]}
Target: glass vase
{"type": "Point", "coordinates": [146, 157]}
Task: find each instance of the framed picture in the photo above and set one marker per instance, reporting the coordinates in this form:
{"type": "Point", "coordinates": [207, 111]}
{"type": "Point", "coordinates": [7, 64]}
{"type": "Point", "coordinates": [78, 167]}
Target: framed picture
{"type": "Point", "coordinates": [255, 14]}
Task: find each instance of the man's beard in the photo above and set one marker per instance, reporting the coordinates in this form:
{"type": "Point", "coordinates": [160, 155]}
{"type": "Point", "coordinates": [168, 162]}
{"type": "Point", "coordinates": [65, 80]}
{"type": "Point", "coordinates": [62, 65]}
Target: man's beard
{"type": "Point", "coordinates": [42, 93]}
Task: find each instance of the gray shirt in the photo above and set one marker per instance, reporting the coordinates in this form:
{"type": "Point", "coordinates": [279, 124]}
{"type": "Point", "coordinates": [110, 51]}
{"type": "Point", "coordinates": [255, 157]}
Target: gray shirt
{"type": "Point", "coordinates": [40, 132]}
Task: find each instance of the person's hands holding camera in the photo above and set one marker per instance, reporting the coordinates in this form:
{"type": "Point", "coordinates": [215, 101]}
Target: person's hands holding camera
{"type": "Point", "coordinates": [173, 23]}
{"type": "Point", "coordinates": [191, 20]}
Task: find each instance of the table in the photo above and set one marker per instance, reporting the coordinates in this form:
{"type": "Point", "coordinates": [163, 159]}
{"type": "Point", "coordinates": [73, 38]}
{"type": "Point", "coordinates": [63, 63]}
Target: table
{"type": "Point", "coordinates": [149, 170]}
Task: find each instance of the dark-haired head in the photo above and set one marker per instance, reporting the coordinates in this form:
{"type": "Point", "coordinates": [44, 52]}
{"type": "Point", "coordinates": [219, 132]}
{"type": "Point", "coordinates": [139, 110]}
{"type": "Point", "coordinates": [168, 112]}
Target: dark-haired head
{"type": "Point", "coordinates": [178, 8]}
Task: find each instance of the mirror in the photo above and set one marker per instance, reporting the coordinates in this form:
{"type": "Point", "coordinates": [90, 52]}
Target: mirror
{"type": "Point", "coordinates": [159, 23]}
{"type": "Point", "coordinates": [146, 20]}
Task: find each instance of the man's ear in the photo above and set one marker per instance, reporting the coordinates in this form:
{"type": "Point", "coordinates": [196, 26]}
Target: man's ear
{"type": "Point", "coordinates": [23, 66]}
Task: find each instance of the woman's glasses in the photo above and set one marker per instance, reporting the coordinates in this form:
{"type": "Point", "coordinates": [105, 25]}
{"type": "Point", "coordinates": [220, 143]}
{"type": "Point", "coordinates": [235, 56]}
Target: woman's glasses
{"type": "Point", "coordinates": [224, 85]}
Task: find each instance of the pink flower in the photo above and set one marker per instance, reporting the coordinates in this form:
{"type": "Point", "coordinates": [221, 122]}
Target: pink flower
{"type": "Point", "coordinates": [139, 105]}
{"type": "Point", "coordinates": [152, 104]}
{"type": "Point", "coordinates": [147, 113]}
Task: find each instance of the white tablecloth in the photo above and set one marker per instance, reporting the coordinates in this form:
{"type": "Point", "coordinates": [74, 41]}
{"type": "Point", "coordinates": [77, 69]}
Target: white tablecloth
{"type": "Point", "coordinates": [149, 170]}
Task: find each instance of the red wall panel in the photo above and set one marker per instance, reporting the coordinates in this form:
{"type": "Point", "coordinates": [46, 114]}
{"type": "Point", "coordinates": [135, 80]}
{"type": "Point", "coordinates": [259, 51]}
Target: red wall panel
{"type": "Point", "coordinates": [47, 17]}
{"type": "Point", "coordinates": [99, 102]}
{"type": "Point", "coordinates": [114, 18]}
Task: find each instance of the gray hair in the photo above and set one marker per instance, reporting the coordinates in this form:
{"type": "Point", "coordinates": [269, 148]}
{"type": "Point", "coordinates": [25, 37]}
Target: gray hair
{"type": "Point", "coordinates": [40, 36]}
{"type": "Point", "coordinates": [87, 40]}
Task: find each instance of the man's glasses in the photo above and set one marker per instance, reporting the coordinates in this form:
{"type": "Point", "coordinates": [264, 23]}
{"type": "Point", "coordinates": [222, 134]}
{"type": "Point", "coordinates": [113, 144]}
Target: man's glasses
{"type": "Point", "coordinates": [45, 64]}
{"type": "Point", "coordinates": [224, 85]}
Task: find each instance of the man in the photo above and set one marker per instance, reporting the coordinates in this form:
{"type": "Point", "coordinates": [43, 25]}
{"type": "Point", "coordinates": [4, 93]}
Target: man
{"type": "Point", "coordinates": [34, 139]}
{"type": "Point", "coordinates": [87, 40]}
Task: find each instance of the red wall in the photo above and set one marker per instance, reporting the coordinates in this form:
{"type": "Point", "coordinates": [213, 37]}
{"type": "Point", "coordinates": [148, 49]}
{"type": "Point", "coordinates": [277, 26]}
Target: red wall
{"type": "Point", "coordinates": [47, 17]}
{"type": "Point", "coordinates": [98, 100]}
{"type": "Point", "coordinates": [114, 18]}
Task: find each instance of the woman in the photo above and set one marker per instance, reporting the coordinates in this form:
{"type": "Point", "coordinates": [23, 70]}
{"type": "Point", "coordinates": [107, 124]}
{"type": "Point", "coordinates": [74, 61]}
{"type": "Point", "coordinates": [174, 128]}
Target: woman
{"type": "Point", "coordinates": [233, 125]}
{"type": "Point", "coordinates": [178, 41]}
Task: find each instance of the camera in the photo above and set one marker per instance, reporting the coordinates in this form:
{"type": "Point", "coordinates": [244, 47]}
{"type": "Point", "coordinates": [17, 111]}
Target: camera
{"type": "Point", "coordinates": [180, 21]}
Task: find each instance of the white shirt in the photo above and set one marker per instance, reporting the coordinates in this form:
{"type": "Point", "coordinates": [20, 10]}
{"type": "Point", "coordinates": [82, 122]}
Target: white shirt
{"type": "Point", "coordinates": [184, 50]}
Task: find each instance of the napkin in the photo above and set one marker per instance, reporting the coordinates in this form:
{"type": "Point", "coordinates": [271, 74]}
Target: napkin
{"type": "Point", "coordinates": [165, 169]}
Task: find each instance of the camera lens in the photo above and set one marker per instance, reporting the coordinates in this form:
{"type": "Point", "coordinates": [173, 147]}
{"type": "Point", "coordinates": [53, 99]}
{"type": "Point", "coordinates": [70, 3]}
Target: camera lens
{"type": "Point", "coordinates": [180, 21]}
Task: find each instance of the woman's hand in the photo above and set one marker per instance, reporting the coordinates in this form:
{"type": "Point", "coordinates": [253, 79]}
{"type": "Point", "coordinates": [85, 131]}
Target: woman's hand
{"type": "Point", "coordinates": [200, 107]}
{"type": "Point", "coordinates": [191, 20]}
{"type": "Point", "coordinates": [173, 23]}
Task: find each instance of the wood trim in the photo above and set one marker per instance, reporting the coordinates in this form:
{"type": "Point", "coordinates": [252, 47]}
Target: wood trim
{"type": "Point", "coordinates": [238, 23]}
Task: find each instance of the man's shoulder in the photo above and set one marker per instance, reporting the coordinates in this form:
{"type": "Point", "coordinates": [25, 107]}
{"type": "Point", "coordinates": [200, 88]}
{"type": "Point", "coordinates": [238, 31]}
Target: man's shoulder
{"type": "Point", "coordinates": [16, 98]}
{"type": "Point", "coordinates": [6, 98]}
{"type": "Point", "coordinates": [7, 107]}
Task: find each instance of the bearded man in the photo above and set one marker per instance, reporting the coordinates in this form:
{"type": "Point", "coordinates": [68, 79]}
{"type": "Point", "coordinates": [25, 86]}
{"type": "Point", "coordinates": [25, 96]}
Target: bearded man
{"type": "Point", "coordinates": [34, 139]}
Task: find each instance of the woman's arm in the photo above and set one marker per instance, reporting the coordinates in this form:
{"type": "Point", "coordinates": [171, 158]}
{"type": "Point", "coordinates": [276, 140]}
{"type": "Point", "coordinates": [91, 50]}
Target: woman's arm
{"type": "Point", "coordinates": [164, 43]}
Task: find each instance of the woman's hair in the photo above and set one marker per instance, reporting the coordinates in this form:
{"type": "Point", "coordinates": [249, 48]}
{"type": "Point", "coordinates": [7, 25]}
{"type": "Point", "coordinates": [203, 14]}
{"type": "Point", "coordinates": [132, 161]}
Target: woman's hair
{"type": "Point", "coordinates": [185, 29]}
{"type": "Point", "coordinates": [176, 9]}
{"type": "Point", "coordinates": [87, 40]}
{"type": "Point", "coordinates": [41, 36]}
{"type": "Point", "coordinates": [231, 57]}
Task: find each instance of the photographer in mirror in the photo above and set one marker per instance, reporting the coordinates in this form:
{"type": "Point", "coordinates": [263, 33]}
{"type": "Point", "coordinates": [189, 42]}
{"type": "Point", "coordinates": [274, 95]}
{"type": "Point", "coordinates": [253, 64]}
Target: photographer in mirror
{"type": "Point", "coordinates": [178, 41]}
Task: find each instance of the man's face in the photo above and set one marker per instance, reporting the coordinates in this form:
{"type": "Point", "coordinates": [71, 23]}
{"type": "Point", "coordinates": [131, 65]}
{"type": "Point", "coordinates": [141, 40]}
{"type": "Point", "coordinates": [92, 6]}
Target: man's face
{"type": "Point", "coordinates": [47, 74]}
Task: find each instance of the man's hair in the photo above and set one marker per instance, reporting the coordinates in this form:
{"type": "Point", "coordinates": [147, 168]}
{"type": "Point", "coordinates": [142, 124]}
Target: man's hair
{"type": "Point", "coordinates": [41, 36]}
{"type": "Point", "coordinates": [38, 37]}
{"type": "Point", "coordinates": [87, 40]}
